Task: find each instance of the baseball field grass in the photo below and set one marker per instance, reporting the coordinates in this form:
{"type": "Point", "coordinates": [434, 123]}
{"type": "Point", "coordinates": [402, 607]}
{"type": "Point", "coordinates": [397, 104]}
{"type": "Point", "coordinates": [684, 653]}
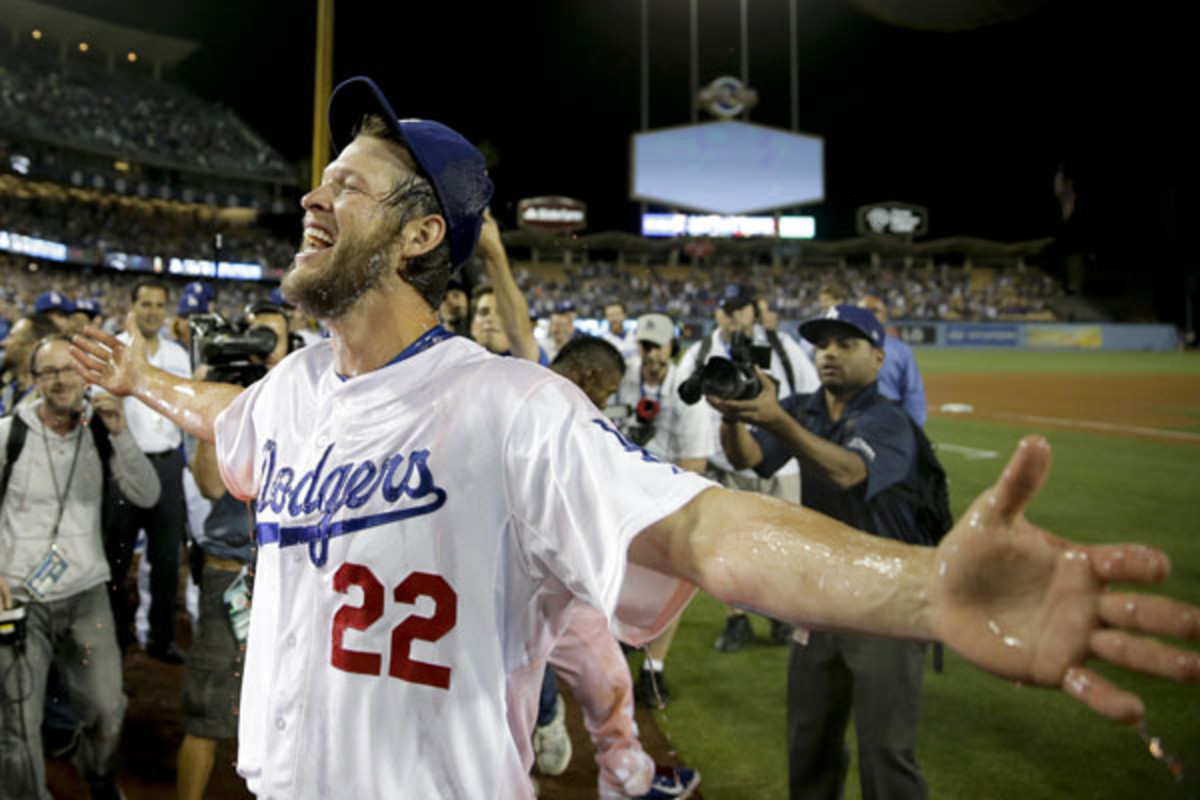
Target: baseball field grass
{"type": "Point", "coordinates": [980, 737]}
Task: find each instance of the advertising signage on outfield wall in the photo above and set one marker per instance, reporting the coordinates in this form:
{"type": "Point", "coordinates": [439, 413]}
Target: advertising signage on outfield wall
{"type": "Point", "coordinates": [917, 334]}
{"type": "Point", "coordinates": [723, 227]}
{"type": "Point", "coordinates": [982, 335]}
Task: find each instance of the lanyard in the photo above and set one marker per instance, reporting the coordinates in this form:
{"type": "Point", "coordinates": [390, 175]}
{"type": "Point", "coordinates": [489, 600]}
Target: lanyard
{"type": "Point", "coordinates": [435, 335]}
{"type": "Point", "coordinates": [61, 496]}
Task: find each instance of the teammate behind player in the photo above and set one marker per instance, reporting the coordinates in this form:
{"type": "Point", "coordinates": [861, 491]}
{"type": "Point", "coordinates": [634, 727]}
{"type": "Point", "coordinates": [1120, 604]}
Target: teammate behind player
{"type": "Point", "coordinates": [382, 481]}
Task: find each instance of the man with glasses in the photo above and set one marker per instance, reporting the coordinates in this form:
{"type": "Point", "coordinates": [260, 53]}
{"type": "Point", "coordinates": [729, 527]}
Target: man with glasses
{"type": "Point", "coordinates": [52, 562]}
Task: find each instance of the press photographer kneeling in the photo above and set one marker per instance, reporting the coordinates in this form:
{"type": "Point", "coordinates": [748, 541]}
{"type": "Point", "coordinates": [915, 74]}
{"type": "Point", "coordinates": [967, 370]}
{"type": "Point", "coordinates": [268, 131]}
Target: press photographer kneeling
{"type": "Point", "coordinates": [861, 459]}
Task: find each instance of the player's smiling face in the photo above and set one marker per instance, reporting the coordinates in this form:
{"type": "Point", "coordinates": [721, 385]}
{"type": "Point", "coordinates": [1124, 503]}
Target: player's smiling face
{"type": "Point", "coordinates": [351, 234]}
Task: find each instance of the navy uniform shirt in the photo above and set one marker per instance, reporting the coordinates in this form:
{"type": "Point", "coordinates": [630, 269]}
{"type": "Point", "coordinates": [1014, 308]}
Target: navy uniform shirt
{"type": "Point", "coordinates": [879, 432]}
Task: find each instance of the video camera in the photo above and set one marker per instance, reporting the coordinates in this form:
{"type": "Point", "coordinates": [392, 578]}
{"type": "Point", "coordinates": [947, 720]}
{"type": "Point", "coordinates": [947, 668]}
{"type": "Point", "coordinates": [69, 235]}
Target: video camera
{"type": "Point", "coordinates": [233, 353]}
{"type": "Point", "coordinates": [730, 378]}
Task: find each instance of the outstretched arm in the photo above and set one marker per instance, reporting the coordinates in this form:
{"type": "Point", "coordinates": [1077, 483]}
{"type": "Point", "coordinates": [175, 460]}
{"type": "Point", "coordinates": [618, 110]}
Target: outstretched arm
{"type": "Point", "coordinates": [123, 370]}
{"type": "Point", "coordinates": [510, 303]}
{"type": "Point", "coordinates": [1009, 596]}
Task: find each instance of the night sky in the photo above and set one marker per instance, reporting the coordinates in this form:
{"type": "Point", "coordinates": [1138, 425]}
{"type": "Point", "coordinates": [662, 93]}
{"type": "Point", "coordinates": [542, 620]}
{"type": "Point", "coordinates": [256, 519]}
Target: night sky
{"type": "Point", "coordinates": [971, 124]}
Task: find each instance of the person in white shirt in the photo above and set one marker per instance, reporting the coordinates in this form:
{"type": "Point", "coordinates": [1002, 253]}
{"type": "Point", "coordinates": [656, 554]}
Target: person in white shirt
{"type": "Point", "coordinates": [671, 430]}
{"type": "Point", "coordinates": [162, 442]}
{"type": "Point", "coordinates": [794, 373]}
{"type": "Point", "coordinates": [619, 334]}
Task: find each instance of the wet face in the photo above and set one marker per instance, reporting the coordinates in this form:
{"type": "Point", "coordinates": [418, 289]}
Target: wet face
{"type": "Point", "coordinates": [486, 328]}
{"type": "Point", "coordinates": [454, 307]}
{"type": "Point", "coordinates": [351, 236]}
{"type": "Point", "coordinates": [60, 386]}
{"type": "Point", "coordinates": [655, 360]}
{"type": "Point", "coordinates": [615, 314]}
{"type": "Point", "coordinates": [846, 362]}
{"type": "Point", "coordinates": [150, 310]}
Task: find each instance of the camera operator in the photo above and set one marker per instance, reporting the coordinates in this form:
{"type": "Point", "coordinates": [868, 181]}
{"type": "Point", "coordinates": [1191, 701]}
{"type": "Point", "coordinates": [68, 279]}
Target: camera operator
{"type": "Point", "coordinates": [212, 672]}
{"type": "Point", "coordinates": [736, 332]}
{"type": "Point", "coordinates": [673, 431]}
{"type": "Point", "coordinates": [853, 445]}
{"type": "Point", "coordinates": [52, 560]}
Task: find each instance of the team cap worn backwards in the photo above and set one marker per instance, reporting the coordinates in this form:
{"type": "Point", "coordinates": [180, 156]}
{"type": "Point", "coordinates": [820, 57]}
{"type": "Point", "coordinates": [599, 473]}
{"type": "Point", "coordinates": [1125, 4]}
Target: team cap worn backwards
{"type": "Point", "coordinates": [853, 319]}
{"type": "Point", "coordinates": [656, 329]}
{"type": "Point", "coordinates": [449, 162]}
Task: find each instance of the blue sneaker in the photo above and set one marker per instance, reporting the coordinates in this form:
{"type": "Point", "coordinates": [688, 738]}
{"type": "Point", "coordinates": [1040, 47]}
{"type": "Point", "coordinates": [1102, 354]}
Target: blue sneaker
{"type": "Point", "coordinates": [672, 782]}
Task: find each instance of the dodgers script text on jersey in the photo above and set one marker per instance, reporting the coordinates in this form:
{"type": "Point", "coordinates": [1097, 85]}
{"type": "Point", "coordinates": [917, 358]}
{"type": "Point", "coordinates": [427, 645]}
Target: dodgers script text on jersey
{"type": "Point", "coordinates": [422, 529]}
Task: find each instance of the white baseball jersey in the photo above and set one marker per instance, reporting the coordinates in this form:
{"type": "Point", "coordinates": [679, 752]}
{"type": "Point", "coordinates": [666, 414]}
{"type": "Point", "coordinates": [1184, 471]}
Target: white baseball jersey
{"type": "Point", "coordinates": [422, 529]}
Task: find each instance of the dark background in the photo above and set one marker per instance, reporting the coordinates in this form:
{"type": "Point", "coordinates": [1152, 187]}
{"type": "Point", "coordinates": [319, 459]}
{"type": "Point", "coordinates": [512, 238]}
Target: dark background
{"type": "Point", "coordinates": [971, 123]}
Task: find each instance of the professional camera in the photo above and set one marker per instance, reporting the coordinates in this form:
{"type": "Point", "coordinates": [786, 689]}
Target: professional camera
{"type": "Point", "coordinates": [643, 428]}
{"type": "Point", "coordinates": [730, 378]}
{"type": "Point", "coordinates": [233, 353]}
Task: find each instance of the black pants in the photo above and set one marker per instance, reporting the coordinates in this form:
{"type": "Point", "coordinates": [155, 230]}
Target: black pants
{"type": "Point", "coordinates": [880, 680]}
{"type": "Point", "coordinates": [164, 526]}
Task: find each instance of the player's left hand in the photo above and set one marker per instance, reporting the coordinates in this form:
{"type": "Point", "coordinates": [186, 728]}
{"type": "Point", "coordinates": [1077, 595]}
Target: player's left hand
{"type": "Point", "coordinates": [5, 596]}
{"type": "Point", "coordinates": [111, 411]}
{"type": "Point", "coordinates": [1029, 606]}
{"type": "Point", "coordinates": [762, 411]}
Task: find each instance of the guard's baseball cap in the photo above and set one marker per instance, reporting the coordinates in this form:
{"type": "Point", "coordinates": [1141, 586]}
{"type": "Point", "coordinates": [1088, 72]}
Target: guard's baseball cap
{"type": "Point", "coordinates": [53, 301]}
{"type": "Point", "coordinates": [735, 296]}
{"type": "Point", "coordinates": [454, 167]}
{"type": "Point", "coordinates": [655, 328]}
{"type": "Point", "coordinates": [848, 319]}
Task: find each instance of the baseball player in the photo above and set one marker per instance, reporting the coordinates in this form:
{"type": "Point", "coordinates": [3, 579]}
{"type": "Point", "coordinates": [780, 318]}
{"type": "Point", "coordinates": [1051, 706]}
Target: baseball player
{"type": "Point", "coordinates": [417, 547]}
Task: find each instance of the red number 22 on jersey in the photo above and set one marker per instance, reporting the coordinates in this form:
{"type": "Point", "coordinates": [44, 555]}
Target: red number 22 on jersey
{"type": "Point", "coordinates": [426, 629]}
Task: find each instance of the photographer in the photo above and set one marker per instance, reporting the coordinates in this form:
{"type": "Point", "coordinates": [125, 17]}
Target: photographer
{"type": "Point", "coordinates": [738, 335]}
{"type": "Point", "coordinates": [673, 431]}
{"type": "Point", "coordinates": [52, 561]}
{"type": "Point", "coordinates": [212, 672]}
{"type": "Point", "coordinates": [853, 446]}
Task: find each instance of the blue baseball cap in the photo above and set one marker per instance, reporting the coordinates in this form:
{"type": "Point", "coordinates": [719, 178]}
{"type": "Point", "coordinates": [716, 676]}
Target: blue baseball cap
{"type": "Point", "coordinates": [192, 303]}
{"type": "Point", "coordinates": [853, 319]}
{"type": "Point", "coordinates": [565, 307]}
{"type": "Point", "coordinates": [735, 296]}
{"type": "Point", "coordinates": [88, 306]}
{"type": "Point", "coordinates": [454, 167]}
{"type": "Point", "coordinates": [201, 289]}
{"type": "Point", "coordinates": [53, 301]}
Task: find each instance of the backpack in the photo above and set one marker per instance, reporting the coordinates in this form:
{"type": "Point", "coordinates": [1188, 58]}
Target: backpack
{"type": "Point", "coordinates": [931, 498]}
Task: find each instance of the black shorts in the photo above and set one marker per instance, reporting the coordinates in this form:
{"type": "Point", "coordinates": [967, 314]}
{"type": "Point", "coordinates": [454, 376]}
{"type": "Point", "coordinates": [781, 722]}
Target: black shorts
{"type": "Point", "coordinates": [212, 677]}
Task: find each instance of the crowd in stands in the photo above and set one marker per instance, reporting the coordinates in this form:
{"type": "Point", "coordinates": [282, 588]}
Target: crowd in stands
{"type": "Point", "coordinates": [109, 223]}
{"type": "Point", "coordinates": [133, 115]}
{"type": "Point", "coordinates": [693, 292]}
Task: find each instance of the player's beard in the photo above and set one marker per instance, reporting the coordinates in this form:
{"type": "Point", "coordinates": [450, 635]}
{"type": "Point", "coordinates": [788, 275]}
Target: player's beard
{"type": "Point", "coordinates": [358, 265]}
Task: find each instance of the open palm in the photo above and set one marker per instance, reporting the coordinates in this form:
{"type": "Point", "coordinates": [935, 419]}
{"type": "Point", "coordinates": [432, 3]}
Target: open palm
{"type": "Point", "coordinates": [1028, 606]}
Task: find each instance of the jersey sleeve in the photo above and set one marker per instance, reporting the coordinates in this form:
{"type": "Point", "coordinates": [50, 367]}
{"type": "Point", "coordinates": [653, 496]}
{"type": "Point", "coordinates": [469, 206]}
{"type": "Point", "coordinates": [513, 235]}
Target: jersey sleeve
{"type": "Point", "coordinates": [237, 443]}
{"type": "Point", "coordinates": [884, 439]}
{"type": "Point", "coordinates": [582, 493]}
